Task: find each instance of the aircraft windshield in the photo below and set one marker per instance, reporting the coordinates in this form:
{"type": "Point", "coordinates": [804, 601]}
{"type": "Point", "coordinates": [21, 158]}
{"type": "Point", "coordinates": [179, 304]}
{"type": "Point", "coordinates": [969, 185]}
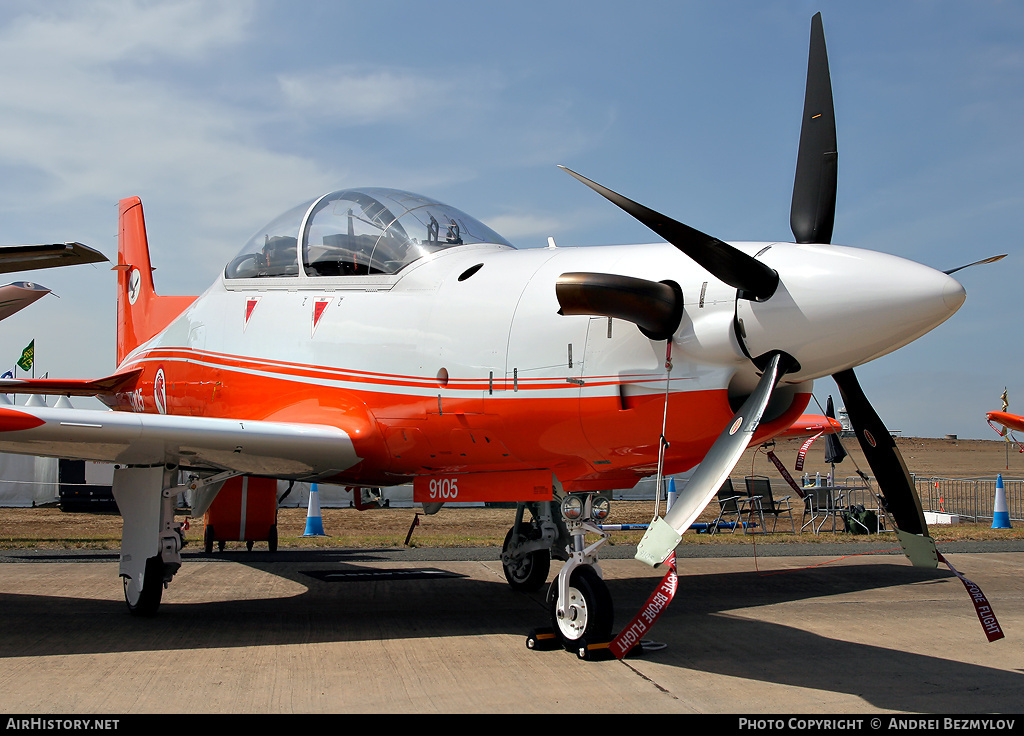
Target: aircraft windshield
{"type": "Point", "coordinates": [357, 232]}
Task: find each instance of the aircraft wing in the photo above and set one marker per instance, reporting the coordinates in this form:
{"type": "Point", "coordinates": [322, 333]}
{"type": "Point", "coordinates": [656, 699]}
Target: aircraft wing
{"type": "Point", "coordinates": [32, 257]}
{"type": "Point", "coordinates": [279, 449]}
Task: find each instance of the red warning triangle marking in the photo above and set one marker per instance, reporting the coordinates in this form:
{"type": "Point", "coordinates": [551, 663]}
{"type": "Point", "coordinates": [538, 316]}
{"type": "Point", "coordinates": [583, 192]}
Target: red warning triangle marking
{"type": "Point", "coordinates": [319, 307]}
{"type": "Point", "coordinates": [250, 305]}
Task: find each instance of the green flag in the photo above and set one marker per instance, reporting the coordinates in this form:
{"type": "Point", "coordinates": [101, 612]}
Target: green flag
{"type": "Point", "coordinates": [27, 356]}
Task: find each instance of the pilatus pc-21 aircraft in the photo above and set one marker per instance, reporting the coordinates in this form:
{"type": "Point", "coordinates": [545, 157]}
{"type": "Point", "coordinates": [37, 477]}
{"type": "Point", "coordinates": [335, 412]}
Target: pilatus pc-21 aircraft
{"type": "Point", "coordinates": [373, 337]}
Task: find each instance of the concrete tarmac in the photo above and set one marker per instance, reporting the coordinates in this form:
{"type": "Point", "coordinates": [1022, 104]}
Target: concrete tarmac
{"type": "Point", "coordinates": [440, 631]}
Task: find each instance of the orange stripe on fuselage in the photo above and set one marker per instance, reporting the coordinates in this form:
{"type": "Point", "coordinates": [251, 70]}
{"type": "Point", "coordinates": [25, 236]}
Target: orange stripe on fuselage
{"type": "Point", "coordinates": [12, 420]}
{"type": "Point", "coordinates": [590, 442]}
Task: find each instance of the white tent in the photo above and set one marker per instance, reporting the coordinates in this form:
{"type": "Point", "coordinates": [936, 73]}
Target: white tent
{"type": "Point", "coordinates": [27, 481]}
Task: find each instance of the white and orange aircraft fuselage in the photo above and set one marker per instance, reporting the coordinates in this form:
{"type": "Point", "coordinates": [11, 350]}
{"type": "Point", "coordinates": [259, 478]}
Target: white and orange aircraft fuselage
{"type": "Point", "coordinates": [373, 337]}
{"type": "Point", "coordinates": [455, 371]}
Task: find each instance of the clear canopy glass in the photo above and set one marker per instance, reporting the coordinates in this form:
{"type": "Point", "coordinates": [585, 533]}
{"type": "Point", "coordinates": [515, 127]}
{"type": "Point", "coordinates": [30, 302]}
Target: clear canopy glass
{"type": "Point", "coordinates": [357, 232]}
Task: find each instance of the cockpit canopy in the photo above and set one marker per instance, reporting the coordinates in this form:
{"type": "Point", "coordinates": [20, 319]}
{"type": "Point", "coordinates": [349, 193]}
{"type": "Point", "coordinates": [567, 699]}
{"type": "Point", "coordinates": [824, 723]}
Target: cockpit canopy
{"type": "Point", "coordinates": [356, 232]}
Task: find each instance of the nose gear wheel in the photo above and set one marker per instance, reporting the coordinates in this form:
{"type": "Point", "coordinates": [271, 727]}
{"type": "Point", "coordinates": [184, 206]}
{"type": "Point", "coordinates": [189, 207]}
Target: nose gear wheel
{"type": "Point", "coordinates": [588, 610]}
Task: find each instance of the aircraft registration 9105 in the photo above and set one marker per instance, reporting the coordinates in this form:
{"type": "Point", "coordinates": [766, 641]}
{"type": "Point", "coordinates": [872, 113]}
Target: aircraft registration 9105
{"type": "Point", "coordinates": [373, 337]}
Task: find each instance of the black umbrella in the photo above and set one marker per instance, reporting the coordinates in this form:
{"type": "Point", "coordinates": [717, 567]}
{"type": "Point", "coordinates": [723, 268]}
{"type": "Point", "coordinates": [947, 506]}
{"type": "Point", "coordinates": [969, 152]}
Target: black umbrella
{"type": "Point", "coordinates": [834, 452]}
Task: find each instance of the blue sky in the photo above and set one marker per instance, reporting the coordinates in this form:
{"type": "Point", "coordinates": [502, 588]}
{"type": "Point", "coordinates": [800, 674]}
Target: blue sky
{"type": "Point", "coordinates": [221, 115]}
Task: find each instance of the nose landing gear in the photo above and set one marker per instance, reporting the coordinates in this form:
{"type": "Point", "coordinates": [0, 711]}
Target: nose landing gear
{"type": "Point", "coordinates": [578, 599]}
{"type": "Point", "coordinates": [580, 604]}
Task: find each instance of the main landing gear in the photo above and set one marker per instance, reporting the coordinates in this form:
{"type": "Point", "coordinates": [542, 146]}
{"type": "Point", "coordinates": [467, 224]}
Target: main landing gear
{"type": "Point", "coordinates": [578, 599]}
{"type": "Point", "coordinates": [530, 545]}
{"type": "Point", "coordinates": [151, 540]}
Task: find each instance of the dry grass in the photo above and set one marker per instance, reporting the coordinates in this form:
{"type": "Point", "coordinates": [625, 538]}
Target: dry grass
{"type": "Point", "coordinates": [50, 528]}
{"type": "Point", "coordinates": [42, 528]}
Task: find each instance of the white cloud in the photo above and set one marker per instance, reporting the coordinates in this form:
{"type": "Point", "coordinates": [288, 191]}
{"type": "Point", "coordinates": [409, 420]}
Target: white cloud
{"type": "Point", "coordinates": [520, 227]}
{"type": "Point", "coordinates": [90, 109]}
{"type": "Point", "coordinates": [105, 31]}
{"type": "Point", "coordinates": [355, 96]}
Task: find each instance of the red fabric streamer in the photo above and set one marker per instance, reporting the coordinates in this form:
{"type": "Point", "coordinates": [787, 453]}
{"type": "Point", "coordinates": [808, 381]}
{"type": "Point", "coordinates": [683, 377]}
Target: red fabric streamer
{"type": "Point", "coordinates": [988, 619]}
{"type": "Point", "coordinates": [630, 636]}
{"type": "Point", "coordinates": [803, 451]}
{"type": "Point", "coordinates": [785, 474]}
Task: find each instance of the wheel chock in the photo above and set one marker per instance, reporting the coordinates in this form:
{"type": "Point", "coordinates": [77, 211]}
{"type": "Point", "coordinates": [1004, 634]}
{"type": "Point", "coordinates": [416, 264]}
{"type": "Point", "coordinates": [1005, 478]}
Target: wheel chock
{"type": "Point", "coordinates": [593, 651]}
{"type": "Point", "coordinates": [546, 640]}
{"type": "Point", "coordinates": [542, 640]}
{"type": "Point", "coordinates": [601, 650]}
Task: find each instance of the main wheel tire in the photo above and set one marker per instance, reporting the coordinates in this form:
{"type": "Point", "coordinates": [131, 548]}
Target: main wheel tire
{"type": "Point", "coordinates": [272, 538]}
{"type": "Point", "coordinates": [529, 572]}
{"type": "Point", "coordinates": [147, 601]}
{"type": "Point", "coordinates": [208, 540]}
{"type": "Point", "coordinates": [589, 612]}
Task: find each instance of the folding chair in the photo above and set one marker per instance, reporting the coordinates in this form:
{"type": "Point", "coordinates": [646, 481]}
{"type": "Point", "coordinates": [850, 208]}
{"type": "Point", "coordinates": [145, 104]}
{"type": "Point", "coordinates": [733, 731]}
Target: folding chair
{"type": "Point", "coordinates": [731, 504]}
{"type": "Point", "coordinates": [819, 504]}
{"type": "Point", "coordinates": [760, 490]}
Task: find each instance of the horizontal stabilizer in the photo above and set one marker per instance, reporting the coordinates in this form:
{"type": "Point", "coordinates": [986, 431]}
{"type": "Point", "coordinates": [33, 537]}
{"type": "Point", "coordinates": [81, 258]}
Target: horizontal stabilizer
{"type": "Point", "coordinates": [69, 387]}
{"type": "Point", "coordinates": [32, 257]}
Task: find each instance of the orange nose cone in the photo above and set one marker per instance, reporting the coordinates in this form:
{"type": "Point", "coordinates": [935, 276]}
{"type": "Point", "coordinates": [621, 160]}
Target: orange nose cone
{"type": "Point", "coordinates": [12, 420]}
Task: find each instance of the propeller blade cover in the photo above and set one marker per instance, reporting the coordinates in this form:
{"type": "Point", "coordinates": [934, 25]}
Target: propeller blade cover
{"type": "Point", "coordinates": [662, 536]}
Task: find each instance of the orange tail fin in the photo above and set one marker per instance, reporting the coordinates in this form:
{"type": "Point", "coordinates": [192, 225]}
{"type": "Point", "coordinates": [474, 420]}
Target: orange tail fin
{"type": "Point", "coordinates": [141, 313]}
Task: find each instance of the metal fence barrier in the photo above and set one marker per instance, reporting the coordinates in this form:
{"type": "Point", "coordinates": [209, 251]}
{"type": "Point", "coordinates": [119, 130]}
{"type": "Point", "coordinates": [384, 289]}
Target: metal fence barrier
{"type": "Point", "coordinates": [972, 499]}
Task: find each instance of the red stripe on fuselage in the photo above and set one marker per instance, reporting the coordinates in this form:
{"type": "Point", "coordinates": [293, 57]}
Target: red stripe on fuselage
{"type": "Point", "coordinates": [589, 442]}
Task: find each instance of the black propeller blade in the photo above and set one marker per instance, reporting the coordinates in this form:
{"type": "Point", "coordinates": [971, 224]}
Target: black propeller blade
{"type": "Point", "coordinates": [754, 279]}
{"type": "Point", "coordinates": [883, 456]}
{"type": "Point", "coordinates": [814, 191]}
{"type": "Point", "coordinates": [812, 218]}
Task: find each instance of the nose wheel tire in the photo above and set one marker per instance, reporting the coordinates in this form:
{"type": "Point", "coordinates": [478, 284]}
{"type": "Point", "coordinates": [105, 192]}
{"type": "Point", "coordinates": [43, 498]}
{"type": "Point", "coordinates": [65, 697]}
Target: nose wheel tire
{"type": "Point", "coordinates": [588, 611]}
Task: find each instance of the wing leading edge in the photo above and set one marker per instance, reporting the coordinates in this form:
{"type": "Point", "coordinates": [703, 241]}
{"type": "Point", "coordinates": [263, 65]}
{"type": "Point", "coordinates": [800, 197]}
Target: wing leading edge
{"type": "Point", "coordinates": [279, 449]}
